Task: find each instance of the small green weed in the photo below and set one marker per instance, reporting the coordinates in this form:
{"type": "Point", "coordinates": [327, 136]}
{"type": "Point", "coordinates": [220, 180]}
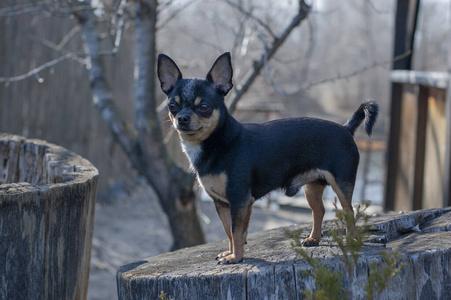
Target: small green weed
{"type": "Point", "coordinates": [164, 296]}
{"type": "Point", "coordinates": [329, 283]}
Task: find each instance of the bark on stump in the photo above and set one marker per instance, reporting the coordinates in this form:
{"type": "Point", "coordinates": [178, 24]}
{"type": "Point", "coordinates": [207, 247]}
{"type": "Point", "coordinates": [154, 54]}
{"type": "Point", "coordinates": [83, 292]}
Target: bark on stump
{"type": "Point", "coordinates": [47, 199]}
{"type": "Point", "coordinates": [270, 269]}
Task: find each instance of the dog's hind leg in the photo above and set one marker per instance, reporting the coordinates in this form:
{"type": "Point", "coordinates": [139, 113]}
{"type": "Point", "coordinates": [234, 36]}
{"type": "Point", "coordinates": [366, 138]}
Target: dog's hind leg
{"type": "Point", "coordinates": [344, 190]}
{"type": "Point", "coordinates": [314, 195]}
{"type": "Point", "coordinates": [223, 210]}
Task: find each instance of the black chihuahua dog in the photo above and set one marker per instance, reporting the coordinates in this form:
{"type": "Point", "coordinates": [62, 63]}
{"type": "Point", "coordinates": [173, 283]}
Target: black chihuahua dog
{"type": "Point", "coordinates": [239, 163]}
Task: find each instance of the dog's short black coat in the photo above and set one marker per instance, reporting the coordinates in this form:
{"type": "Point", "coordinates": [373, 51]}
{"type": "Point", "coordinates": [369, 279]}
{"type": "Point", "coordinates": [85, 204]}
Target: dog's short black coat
{"type": "Point", "coordinates": [238, 163]}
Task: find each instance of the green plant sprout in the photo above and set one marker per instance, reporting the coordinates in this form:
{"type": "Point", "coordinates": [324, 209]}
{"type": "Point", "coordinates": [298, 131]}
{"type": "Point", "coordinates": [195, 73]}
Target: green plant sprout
{"type": "Point", "coordinates": [329, 283]}
{"type": "Point", "coordinates": [380, 275]}
{"type": "Point", "coordinates": [164, 296]}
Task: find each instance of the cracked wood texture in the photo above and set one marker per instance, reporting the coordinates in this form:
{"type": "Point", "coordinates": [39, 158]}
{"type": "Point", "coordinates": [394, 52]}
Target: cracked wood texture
{"type": "Point", "coordinates": [47, 199]}
{"type": "Point", "coordinates": [270, 269]}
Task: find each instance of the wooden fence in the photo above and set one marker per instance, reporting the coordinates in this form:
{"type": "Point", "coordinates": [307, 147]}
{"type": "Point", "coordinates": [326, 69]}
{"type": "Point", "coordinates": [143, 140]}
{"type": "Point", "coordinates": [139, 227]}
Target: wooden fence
{"type": "Point", "coordinates": [418, 173]}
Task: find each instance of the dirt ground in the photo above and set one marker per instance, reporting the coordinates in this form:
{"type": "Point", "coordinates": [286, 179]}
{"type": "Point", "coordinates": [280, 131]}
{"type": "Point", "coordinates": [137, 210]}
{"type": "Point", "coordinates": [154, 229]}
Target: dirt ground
{"type": "Point", "coordinates": [132, 226]}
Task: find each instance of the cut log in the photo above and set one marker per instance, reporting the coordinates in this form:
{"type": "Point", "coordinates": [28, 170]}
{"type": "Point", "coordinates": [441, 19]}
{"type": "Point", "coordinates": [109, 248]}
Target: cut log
{"type": "Point", "coordinates": [270, 269]}
{"type": "Point", "coordinates": [47, 199]}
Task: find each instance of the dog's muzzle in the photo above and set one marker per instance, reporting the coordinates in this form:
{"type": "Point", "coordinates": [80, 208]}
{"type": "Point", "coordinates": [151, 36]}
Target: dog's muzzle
{"type": "Point", "coordinates": [183, 120]}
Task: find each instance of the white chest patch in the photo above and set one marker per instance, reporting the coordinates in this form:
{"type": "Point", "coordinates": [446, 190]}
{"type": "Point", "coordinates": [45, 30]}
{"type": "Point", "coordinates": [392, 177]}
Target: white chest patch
{"type": "Point", "coordinates": [215, 186]}
{"type": "Point", "coordinates": [193, 152]}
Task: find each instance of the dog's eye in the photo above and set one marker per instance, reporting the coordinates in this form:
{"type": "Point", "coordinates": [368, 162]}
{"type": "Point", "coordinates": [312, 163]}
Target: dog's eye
{"type": "Point", "coordinates": [204, 107]}
{"type": "Point", "coordinates": [172, 106]}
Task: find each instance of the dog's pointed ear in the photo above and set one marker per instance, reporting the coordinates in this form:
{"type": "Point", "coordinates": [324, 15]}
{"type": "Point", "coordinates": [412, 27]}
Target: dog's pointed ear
{"type": "Point", "coordinates": [221, 74]}
{"type": "Point", "coordinates": [168, 73]}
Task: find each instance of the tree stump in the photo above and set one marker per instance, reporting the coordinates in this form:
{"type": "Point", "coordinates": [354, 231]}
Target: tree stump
{"type": "Point", "coordinates": [47, 199]}
{"type": "Point", "coordinates": [270, 269]}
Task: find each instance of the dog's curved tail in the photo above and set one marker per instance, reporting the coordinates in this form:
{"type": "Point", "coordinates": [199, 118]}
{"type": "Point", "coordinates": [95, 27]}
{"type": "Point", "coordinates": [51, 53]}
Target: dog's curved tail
{"type": "Point", "coordinates": [367, 111]}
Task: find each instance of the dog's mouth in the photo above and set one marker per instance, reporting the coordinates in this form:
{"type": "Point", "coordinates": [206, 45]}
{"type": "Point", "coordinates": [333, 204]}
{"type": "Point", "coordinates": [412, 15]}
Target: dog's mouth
{"type": "Point", "coordinates": [188, 131]}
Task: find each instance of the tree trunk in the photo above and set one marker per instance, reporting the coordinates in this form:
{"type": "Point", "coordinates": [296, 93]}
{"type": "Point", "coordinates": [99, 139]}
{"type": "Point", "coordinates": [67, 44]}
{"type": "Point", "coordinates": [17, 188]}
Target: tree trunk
{"type": "Point", "coordinates": [146, 150]}
{"type": "Point", "coordinates": [182, 214]}
{"type": "Point", "coordinates": [174, 186]}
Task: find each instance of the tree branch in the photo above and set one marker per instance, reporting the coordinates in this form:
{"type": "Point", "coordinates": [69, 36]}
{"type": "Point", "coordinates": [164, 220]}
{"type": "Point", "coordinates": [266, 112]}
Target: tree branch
{"type": "Point", "coordinates": [24, 9]}
{"type": "Point", "coordinates": [331, 79]}
{"type": "Point", "coordinates": [35, 72]}
{"type": "Point", "coordinates": [377, 10]}
{"type": "Point", "coordinates": [120, 25]}
{"type": "Point", "coordinates": [174, 14]}
{"type": "Point", "coordinates": [104, 103]}
{"type": "Point", "coordinates": [144, 148]}
{"type": "Point", "coordinates": [303, 12]}
{"type": "Point", "coordinates": [49, 64]}
{"type": "Point", "coordinates": [80, 58]}
{"type": "Point", "coordinates": [251, 16]}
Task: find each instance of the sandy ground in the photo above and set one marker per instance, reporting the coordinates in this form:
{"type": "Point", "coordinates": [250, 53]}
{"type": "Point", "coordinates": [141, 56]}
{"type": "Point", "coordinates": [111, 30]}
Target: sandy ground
{"type": "Point", "coordinates": [130, 226]}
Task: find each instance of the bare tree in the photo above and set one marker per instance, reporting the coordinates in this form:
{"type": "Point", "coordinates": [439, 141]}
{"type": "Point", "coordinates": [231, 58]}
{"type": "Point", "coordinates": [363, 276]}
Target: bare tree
{"type": "Point", "coordinates": [143, 144]}
{"type": "Point", "coordinates": [268, 51]}
{"type": "Point", "coordinates": [147, 152]}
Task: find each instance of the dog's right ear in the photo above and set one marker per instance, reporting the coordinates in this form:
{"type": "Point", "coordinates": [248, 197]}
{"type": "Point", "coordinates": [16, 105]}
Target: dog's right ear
{"type": "Point", "coordinates": [168, 73]}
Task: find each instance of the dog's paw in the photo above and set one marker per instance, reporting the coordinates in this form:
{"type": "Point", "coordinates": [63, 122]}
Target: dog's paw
{"type": "Point", "coordinates": [223, 254]}
{"type": "Point", "coordinates": [230, 259]}
{"type": "Point", "coordinates": [310, 242]}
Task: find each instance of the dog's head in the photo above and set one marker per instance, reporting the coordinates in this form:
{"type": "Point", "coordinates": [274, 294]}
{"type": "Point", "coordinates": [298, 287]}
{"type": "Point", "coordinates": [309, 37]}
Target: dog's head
{"type": "Point", "coordinates": [196, 106]}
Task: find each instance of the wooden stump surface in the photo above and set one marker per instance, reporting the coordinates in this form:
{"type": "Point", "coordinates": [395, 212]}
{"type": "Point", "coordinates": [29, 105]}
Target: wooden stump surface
{"type": "Point", "coordinates": [270, 269]}
{"type": "Point", "coordinates": [47, 201]}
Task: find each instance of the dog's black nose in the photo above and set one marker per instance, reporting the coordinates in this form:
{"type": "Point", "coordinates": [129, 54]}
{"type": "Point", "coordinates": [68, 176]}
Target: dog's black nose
{"type": "Point", "coordinates": [183, 119]}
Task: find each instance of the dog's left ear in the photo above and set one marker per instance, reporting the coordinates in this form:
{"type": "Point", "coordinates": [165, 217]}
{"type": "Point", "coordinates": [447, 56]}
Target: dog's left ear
{"type": "Point", "coordinates": [221, 74]}
{"type": "Point", "coordinates": [168, 73]}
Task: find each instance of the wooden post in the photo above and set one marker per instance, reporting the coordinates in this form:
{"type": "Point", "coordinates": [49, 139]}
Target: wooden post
{"type": "Point", "coordinates": [435, 144]}
{"type": "Point", "coordinates": [47, 203]}
{"type": "Point", "coordinates": [405, 25]}
{"type": "Point", "coordinates": [421, 179]}
{"type": "Point", "coordinates": [447, 167]}
{"type": "Point", "coordinates": [420, 148]}
{"type": "Point", "coordinates": [393, 147]}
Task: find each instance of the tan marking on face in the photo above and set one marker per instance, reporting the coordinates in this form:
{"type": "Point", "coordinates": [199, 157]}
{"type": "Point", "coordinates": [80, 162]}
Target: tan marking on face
{"type": "Point", "coordinates": [177, 99]}
{"type": "Point", "coordinates": [197, 101]}
{"type": "Point", "coordinates": [204, 127]}
{"type": "Point", "coordinates": [215, 186]}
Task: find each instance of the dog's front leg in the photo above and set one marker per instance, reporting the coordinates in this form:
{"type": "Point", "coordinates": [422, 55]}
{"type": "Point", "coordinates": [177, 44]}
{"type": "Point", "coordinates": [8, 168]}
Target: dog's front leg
{"type": "Point", "coordinates": [223, 210]}
{"type": "Point", "coordinates": [314, 195]}
{"type": "Point", "coordinates": [240, 216]}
